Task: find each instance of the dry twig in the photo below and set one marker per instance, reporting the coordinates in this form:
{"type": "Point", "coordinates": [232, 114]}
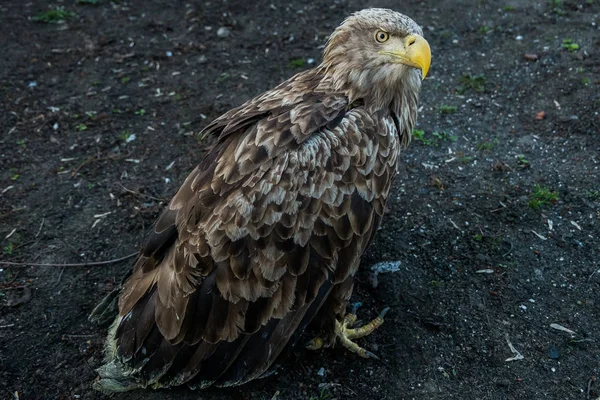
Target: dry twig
{"type": "Point", "coordinates": [93, 159]}
{"type": "Point", "coordinates": [136, 193]}
{"type": "Point", "coordinates": [41, 226]}
{"type": "Point", "coordinates": [83, 264]}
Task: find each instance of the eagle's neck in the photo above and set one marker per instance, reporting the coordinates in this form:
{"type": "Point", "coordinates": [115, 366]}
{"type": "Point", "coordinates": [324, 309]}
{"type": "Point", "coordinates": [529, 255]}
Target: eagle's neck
{"type": "Point", "coordinates": [387, 87]}
{"type": "Point", "coordinates": [405, 105]}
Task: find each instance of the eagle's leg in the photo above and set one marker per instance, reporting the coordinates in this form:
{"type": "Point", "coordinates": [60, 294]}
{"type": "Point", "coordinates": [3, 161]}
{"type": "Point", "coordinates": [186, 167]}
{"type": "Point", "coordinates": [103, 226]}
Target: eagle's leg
{"type": "Point", "coordinates": [345, 333]}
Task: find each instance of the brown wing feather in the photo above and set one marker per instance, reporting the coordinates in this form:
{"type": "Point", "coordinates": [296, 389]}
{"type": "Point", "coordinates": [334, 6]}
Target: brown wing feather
{"type": "Point", "coordinates": [248, 250]}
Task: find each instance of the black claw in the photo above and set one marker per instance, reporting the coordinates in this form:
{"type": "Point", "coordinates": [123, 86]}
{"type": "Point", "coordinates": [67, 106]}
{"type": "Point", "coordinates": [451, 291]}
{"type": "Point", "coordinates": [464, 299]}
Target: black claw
{"type": "Point", "coordinates": [383, 312]}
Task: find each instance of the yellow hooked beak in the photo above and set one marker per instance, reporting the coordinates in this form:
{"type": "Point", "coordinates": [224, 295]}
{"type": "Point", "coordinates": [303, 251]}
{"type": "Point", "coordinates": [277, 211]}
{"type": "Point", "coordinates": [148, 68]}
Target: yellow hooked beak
{"type": "Point", "coordinates": [416, 53]}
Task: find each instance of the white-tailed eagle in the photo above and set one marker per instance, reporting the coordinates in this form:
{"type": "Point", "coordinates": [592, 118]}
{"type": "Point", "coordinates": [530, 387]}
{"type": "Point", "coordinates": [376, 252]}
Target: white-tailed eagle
{"type": "Point", "coordinates": [265, 235]}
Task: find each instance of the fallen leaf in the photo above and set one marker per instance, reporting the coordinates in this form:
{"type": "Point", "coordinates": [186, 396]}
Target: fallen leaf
{"type": "Point", "coordinates": [541, 115]}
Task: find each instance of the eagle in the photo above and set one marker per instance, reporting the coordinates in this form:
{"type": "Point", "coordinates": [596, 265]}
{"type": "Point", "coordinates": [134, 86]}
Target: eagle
{"type": "Point", "coordinates": [264, 237]}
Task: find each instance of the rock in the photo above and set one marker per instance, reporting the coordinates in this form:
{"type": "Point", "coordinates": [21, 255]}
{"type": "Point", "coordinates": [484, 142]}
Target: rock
{"type": "Point", "coordinates": [223, 32]}
{"type": "Point", "coordinates": [553, 352]}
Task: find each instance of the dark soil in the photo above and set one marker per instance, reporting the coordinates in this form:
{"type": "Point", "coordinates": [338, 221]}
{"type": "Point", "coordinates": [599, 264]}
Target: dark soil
{"type": "Point", "coordinates": [486, 256]}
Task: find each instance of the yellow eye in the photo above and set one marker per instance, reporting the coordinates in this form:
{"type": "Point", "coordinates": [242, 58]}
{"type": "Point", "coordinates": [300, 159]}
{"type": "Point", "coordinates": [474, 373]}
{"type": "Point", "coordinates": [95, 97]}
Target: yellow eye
{"type": "Point", "coordinates": [382, 36]}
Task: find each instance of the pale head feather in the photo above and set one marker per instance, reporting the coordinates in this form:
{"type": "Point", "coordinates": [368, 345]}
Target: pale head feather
{"type": "Point", "coordinates": [353, 64]}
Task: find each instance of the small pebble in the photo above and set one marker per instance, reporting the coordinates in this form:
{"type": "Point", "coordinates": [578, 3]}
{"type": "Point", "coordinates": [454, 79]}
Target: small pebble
{"type": "Point", "coordinates": [553, 352]}
{"type": "Point", "coordinates": [531, 57]}
{"type": "Point", "coordinates": [321, 372]}
{"type": "Point", "coordinates": [223, 32]}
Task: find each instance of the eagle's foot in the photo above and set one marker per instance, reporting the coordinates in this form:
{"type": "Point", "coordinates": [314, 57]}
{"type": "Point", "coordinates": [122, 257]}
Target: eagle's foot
{"type": "Point", "coordinates": [345, 333]}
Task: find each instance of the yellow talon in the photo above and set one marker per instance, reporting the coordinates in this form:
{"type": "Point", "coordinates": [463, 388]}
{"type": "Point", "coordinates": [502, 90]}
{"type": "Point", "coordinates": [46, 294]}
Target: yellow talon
{"type": "Point", "coordinates": [314, 344]}
{"type": "Point", "coordinates": [365, 329]}
{"type": "Point", "coordinates": [355, 348]}
{"type": "Point", "coordinates": [345, 333]}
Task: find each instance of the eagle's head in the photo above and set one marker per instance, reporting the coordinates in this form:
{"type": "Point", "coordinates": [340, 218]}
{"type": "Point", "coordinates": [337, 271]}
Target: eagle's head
{"type": "Point", "coordinates": [378, 55]}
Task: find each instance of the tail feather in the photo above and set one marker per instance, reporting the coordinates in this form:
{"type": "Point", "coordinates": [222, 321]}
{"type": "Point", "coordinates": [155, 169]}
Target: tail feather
{"type": "Point", "coordinates": [267, 345]}
{"type": "Point", "coordinates": [105, 312]}
{"type": "Point", "coordinates": [202, 373]}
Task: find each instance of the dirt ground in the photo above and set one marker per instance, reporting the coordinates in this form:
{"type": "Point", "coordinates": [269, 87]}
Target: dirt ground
{"type": "Point", "coordinates": [495, 217]}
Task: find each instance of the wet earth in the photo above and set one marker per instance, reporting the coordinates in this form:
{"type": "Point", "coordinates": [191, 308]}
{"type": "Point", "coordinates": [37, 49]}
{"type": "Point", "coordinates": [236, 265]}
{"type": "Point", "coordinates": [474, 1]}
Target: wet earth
{"type": "Point", "coordinates": [494, 218]}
